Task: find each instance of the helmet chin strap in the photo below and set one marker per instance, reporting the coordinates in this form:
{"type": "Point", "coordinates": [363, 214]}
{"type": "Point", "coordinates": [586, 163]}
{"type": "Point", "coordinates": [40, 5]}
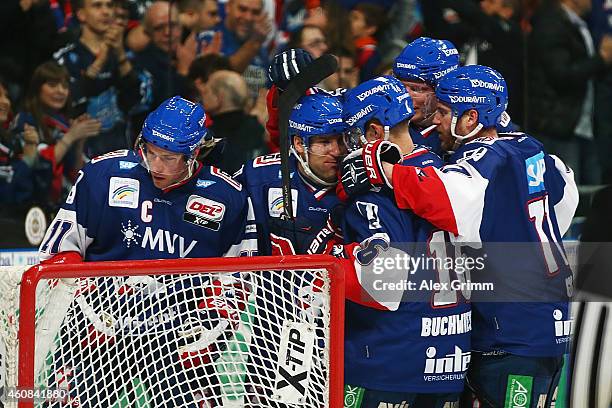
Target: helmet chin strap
{"type": "Point", "coordinates": [459, 140]}
{"type": "Point", "coordinates": [308, 172]}
{"type": "Point", "coordinates": [387, 131]}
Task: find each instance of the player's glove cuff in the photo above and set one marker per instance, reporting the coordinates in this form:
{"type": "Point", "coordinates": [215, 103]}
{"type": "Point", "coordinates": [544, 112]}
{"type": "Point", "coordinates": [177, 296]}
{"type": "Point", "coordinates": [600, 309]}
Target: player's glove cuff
{"type": "Point", "coordinates": [374, 154]}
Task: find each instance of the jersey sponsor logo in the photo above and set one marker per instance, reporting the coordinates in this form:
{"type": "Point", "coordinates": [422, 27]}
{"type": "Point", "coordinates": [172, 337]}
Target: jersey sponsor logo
{"type": "Point", "coordinates": [563, 328]}
{"type": "Point", "coordinates": [267, 160]}
{"type": "Point", "coordinates": [204, 212]}
{"type": "Point", "coordinates": [451, 366]}
{"type": "Point", "coordinates": [110, 155]}
{"type": "Point", "coordinates": [353, 119]}
{"type": "Point", "coordinates": [479, 83]}
{"type": "Point", "coordinates": [535, 167]}
{"type": "Point", "coordinates": [204, 183]}
{"type": "Point", "coordinates": [126, 165]}
{"type": "Point", "coordinates": [166, 241]}
{"type": "Point", "coordinates": [123, 192]}
{"type": "Point", "coordinates": [130, 234]}
{"type": "Point", "coordinates": [518, 391]}
{"type": "Point", "coordinates": [467, 99]}
{"type": "Point", "coordinates": [446, 325]}
{"type": "Point", "coordinates": [294, 363]}
{"type": "Point", "coordinates": [275, 202]}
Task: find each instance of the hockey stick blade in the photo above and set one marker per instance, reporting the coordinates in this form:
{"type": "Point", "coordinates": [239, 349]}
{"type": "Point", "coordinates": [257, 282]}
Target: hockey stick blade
{"type": "Point", "coordinates": [314, 73]}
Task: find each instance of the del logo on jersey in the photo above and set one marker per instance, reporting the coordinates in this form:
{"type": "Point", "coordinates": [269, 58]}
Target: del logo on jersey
{"type": "Point", "coordinates": [204, 212]}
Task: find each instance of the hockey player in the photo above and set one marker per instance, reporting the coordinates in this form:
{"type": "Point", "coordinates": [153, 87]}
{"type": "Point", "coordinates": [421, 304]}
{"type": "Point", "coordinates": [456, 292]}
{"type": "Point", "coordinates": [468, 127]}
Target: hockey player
{"type": "Point", "coordinates": [420, 66]}
{"type": "Point", "coordinates": [315, 128]}
{"type": "Point", "coordinates": [497, 189]}
{"type": "Point", "coordinates": [391, 351]}
{"type": "Point", "coordinates": [155, 202]}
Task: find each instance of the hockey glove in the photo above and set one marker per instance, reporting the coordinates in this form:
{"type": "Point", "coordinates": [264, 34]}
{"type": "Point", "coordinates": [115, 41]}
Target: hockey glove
{"type": "Point", "coordinates": [374, 154]}
{"type": "Point", "coordinates": [353, 178]}
{"type": "Point", "coordinates": [298, 236]}
{"type": "Point", "coordinates": [287, 65]}
{"type": "Point", "coordinates": [202, 337]}
{"type": "Point", "coordinates": [362, 169]}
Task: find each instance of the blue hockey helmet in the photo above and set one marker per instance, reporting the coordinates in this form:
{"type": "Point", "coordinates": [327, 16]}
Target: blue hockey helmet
{"type": "Point", "coordinates": [177, 125]}
{"type": "Point", "coordinates": [383, 98]}
{"type": "Point", "coordinates": [426, 59]}
{"type": "Point", "coordinates": [319, 114]}
{"type": "Point", "coordinates": [474, 87]}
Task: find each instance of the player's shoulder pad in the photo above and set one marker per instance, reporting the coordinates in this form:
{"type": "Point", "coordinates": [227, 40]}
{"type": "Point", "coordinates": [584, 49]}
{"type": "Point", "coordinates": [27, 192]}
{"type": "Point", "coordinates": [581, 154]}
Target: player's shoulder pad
{"type": "Point", "coordinates": [211, 175]}
{"type": "Point", "coordinates": [261, 168]}
{"type": "Point", "coordinates": [422, 156]}
{"type": "Point", "coordinates": [118, 160]}
{"type": "Point", "coordinates": [479, 148]}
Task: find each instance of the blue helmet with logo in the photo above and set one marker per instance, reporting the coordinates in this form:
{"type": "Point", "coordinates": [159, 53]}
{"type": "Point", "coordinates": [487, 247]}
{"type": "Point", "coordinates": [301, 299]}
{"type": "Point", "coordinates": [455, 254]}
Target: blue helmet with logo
{"type": "Point", "coordinates": [177, 125]}
{"type": "Point", "coordinates": [474, 87]}
{"type": "Point", "coordinates": [383, 98]}
{"type": "Point", "coordinates": [319, 114]}
{"type": "Point", "coordinates": [426, 59]}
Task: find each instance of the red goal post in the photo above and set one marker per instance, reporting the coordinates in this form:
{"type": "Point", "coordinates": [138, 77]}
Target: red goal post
{"type": "Point", "coordinates": [334, 290]}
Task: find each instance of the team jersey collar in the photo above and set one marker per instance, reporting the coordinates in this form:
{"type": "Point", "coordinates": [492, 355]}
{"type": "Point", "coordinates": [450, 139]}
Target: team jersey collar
{"type": "Point", "coordinates": [317, 191]}
{"type": "Point", "coordinates": [182, 183]}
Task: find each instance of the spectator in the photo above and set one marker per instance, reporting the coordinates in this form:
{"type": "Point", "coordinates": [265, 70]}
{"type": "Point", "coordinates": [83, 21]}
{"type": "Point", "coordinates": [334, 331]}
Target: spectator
{"type": "Point", "coordinates": [164, 58]}
{"type": "Point", "coordinates": [58, 142]}
{"type": "Point", "coordinates": [28, 36]}
{"type": "Point", "coordinates": [244, 33]}
{"type": "Point", "coordinates": [347, 74]}
{"type": "Point", "coordinates": [563, 64]}
{"type": "Point", "coordinates": [198, 15]}
{"type": "Point", "coordinates": [16, 185]}
{"type": "Point", "coordinates": [225, 98]}
{"type": "Point", "coordinates": [310, 38]}
{"type": "Point", "coordinates": [366, 21]}
{"type": "Point", "coordinates": [200, 70]}
{"type": "Point", "coordinates": [102, 80]}
{"type": "Point", "coordinates": [495, 39]}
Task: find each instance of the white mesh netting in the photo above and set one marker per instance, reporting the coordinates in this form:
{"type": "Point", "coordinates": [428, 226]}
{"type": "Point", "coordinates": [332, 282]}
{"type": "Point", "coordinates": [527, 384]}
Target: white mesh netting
{"type": "Point", "coordinates": [246, 339]}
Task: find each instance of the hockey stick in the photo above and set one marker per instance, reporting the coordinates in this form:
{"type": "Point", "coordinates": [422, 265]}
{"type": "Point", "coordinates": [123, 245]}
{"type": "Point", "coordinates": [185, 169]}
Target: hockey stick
{"type": "Point", "coordinates": [314, 73]}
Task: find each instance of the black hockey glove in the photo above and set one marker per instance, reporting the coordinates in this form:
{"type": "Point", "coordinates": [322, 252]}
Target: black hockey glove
{"type": "Point", "coordinates": [362, 169]}
{"type": "Point", "coordinates": [287, 65]}
{"type": "Point", "coordinates": [292, 237]}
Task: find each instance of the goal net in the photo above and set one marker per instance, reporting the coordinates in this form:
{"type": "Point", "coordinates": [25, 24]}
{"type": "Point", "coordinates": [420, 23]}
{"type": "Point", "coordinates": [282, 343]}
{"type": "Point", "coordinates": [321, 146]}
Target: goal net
{"type": "Point", "coordinates": [219, 332]}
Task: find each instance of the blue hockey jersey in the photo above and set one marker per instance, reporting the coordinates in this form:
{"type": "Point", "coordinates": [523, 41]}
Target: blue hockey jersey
{"type": "Point", "coordinates": [263, 181]}
{"type": "Point", "coordinates": [422, 346]}
{"type": "Point", "coordinates": [505, 190]}
{"type": "Point", "coordinates": [114, 212]}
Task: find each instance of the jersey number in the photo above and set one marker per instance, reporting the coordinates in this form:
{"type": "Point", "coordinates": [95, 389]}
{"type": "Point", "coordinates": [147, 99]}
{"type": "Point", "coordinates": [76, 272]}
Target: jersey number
{"type": "Point", "coordinates": [59, 229]}
{"type": "Point", "coordinates": [438, 246]}
{"type": "Point", "coordinates": [539, 216]}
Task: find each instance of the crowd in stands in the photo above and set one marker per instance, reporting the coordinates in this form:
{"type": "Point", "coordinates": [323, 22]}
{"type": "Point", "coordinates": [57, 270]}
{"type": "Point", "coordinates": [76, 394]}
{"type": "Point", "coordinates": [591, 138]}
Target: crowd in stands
{"type": "Point", "coordinates": [78, 77]}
